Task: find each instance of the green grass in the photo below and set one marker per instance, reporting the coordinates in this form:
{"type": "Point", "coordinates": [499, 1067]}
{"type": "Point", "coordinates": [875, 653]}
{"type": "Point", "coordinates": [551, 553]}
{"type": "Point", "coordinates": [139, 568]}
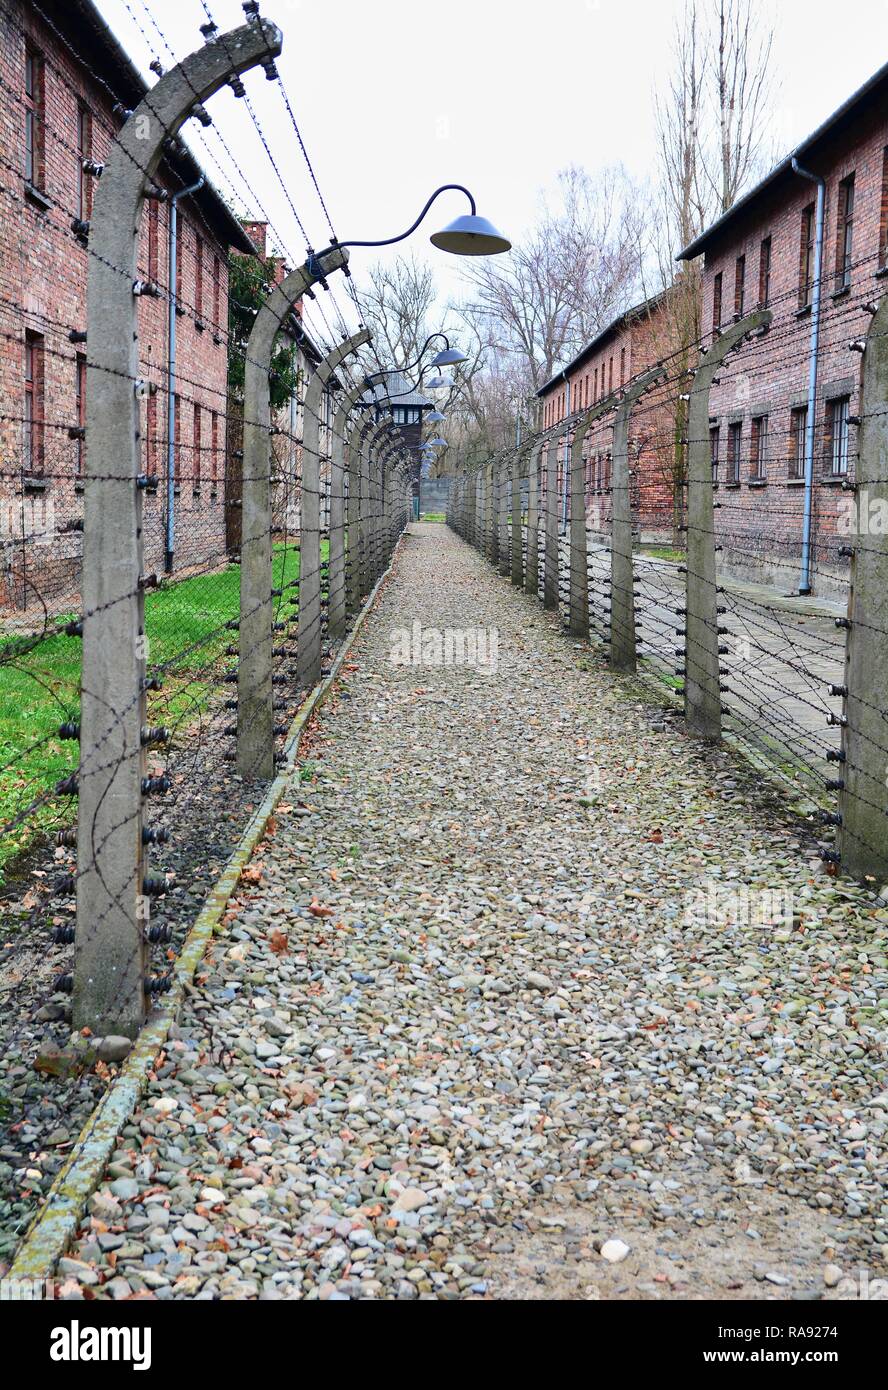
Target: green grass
{"type": "Point", "coordinates": [664, 552]}
{"type": "Point", "coordinates": [40, 689]}
{"type": "Point", "coordinates": [432, 516]}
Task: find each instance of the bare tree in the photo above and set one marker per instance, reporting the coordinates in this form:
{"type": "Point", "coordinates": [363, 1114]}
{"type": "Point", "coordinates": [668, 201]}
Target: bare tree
{"type": "Point", "coordinates": [743, 90]}
{"type": "Point", "coordinates": [575, 272]}
{"type": "Point", "coordinates": [398, 307]}
{"type": "Point", "coordinates": [711, 122]}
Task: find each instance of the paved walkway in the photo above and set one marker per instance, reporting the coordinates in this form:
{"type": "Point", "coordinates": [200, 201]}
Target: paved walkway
{"type": "Point", "coordinates": [466, 1034]}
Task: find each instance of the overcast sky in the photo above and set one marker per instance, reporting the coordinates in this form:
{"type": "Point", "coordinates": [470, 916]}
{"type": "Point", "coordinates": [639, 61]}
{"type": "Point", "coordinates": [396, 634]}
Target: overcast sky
{"type": "Point", "coordinates": [395, 97]}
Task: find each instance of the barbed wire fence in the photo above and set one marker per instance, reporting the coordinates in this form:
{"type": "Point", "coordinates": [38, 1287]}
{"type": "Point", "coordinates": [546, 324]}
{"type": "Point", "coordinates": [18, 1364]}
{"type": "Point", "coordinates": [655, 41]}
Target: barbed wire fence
{"type": "Point", "coordinates": [150, 693]}
{"type": "Point", "coordinates": [803, 689]}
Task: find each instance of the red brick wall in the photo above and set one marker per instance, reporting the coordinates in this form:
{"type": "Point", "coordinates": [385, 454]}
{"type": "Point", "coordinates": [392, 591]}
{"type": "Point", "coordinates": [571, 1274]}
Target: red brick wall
{"type": "Point", "coordinates": [760, 525]}
{"type": "Point", "coordinates": [624, 354]}
{"type": "Point", "coordinates": [43, 272]}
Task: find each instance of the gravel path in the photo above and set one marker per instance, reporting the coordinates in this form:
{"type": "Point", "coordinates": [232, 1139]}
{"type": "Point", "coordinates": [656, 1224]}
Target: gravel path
{"type": "Point", "coordinates": [461, 1037]}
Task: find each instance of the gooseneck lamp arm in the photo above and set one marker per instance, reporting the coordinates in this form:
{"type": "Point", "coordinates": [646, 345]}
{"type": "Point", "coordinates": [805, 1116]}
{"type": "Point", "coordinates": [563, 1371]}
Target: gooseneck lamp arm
{"type": "Point", "coordinates": [469, 235]}
{"type": "Point", "coordinates": [390, 241]}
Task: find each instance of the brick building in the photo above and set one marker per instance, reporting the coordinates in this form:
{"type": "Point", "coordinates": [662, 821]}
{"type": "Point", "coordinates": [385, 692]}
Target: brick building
{"type": "Point", "coordinates": [628, 346]}
{"type": "Point", "coordinates": [762, 252]}
{"type": "Point", "coordinates": [65, 87]}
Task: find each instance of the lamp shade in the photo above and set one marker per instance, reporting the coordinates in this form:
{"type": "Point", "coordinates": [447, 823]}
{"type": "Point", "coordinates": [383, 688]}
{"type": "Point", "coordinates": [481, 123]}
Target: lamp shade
{"type": "Point", "coordinates": [437, 442]}
{"type": "Point", "coordinates": [435, 417]}
{"type": "Point", "coordinates": [471, 235]}
{"type": "Point", "coordinates": [448, 357]}
{"type": "Point", "coordinates": [435, 383]}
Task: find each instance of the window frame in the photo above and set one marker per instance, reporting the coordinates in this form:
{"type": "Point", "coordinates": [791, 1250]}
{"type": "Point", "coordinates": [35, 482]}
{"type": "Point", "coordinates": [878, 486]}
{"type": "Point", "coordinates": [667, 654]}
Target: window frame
{"type": "Point", "coordinates": [758, 448]}
{"type": "Point", "coordinates": [733, 452]}
{"type": "Point", "coordinates": [717, 302]}
{"type": "Point", "coordinates": [34, 101]}
{"type": "Point", "coordinates": [806, 256]}
{"type": "Point", "coordinates": [845, 232]}
{"type": "Point", "coordinates": [837, 406]}
{"type": "Point", "coordinates": [739, 285]}
{"type": "Point", "coordinates": [33, 408]}
{"type": "Point", "coordinates": [798, 429]}
{"type": "Point", "coordinates": [765, 262]}
{"type": "Point", "coordinates": [715, 451]}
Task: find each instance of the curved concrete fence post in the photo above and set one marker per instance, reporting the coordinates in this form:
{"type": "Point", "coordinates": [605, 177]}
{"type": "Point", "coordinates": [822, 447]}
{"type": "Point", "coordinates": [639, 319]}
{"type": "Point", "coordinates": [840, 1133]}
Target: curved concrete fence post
{"type": "Point", "coordinates": [622, 643]}
{"type": "Point", "coordinates": [110, 956]}
{"type": "Point", "coordinates": [863, 799]}
{"type": "Point", "coordinates": [255, 713]}
{"type": "Point", "coordinates": [308, 653]}
{"type": "Point", "coordinates": [702, 676]}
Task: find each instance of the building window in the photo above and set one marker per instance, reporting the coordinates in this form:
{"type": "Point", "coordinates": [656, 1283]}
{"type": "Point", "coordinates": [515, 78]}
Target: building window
{"type": "Point", "coordinates": [765, 273]}
{"type": "Point", "coordinates": [195, 450]}
{"type": "Point", "coordinates": [32, 425]}
{"type": "Point", "coordinates": [739, 285]}
{"type": "Point", "coordinates": [35, 118]}
{"type": "Point", "coordinates": [758, 448]}
{"type": "Point", "coordinates": [837, 436]}
{"type": "Point", "coordinates": [217, 293]}
{"type": "Point", "coordinates": [84, 152]}
{"type": "Point", "coordinates": [714, 441]}
{"type": "Point", "coordinates": [151, 435]}
{"type": "Point", "coordinates": [610, 374]}
{"type": "Point", "coordinates": [844, 233]}
{"type": "Point", "coordinates": [622, 366]}
{"type": "Point", "coordinates": [177, 436]}
{"type": "Point", "coordinates": [806, 256]}
{"type": "Point", "coordinates": [735, 442]}
{"type": "Point", "coordinates": [214, 452]}
{"type": "Point", "coordinates": [80, 407]}
{"type": "Point", "coordinates": [198, 275]}
{"type": "Point", "coordinates": [717, 302]}
{"type": "Point", "coordinates": [798, 426]}
{"type": "Point", "coordinates": [595, 397]}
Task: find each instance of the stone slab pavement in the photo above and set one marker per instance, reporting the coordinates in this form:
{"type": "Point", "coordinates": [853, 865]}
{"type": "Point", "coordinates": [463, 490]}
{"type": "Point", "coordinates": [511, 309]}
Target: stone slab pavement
{"type": "Point", "coordinates": [525, 994]}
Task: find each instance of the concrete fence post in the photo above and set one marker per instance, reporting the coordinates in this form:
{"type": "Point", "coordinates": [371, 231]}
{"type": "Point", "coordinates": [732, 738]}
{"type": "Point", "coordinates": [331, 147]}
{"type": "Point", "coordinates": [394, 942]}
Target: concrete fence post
{"type": "Point", "coordinates": [532, 559]}
{"type": "Point", "coordinates": [504, 497]}
{"type": "Point", "coordinates": [308, 654]}
{"type": "Point", "coordinates": [863, 775]}
{"type": "Point", "coordinates": [517, 565]}
{"type": "Point", "coordinates": [578, 620]}
{"type": "Point", "coordinates": [550, 563]}
{"type": "Point", "coordinates": [255, 704]}
{"type": "Point", "coordinates": [110, 946]}
{"type": "Point", "coordinates": [339, 469]}
{"type": "Point", "coordinates": [702, 674]}
{"type": "Point", "coordinates": [357, 442]}
{"type": "Point", "coordinates": [623, 654]}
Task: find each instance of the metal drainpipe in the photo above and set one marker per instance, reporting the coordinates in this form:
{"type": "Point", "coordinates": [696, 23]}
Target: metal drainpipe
{"type": "Point", "coordinates": [565, 479]}
{"type": "Point", "coordinates": [805, 581]}
{"type": "Point", "coordinates": [171, 373]}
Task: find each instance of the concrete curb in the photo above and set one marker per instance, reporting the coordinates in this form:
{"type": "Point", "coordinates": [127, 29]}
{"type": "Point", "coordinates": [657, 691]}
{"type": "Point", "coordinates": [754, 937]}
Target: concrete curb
{"type": "Point", "coordinates": [65, 1202]}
